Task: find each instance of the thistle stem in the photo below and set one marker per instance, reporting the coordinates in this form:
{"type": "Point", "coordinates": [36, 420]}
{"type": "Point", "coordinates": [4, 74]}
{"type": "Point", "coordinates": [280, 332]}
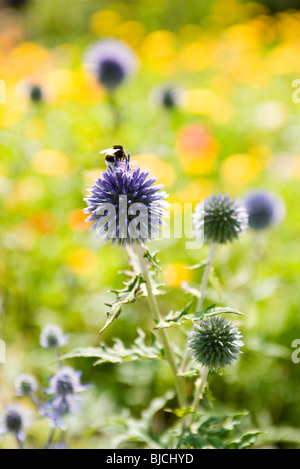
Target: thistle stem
{"type": "Point", "coordinates": [203, 288]}
{"type": "Point", "coordinates": [200, 386]}
{"type": "Point", "coordinates": [19, 443]}
{"type": "Point", "coordinates": [115, 111]}
{"type": "Point", "coordinates": [163, 335]}
{"type": "Point", "coordinates": [50, 438]}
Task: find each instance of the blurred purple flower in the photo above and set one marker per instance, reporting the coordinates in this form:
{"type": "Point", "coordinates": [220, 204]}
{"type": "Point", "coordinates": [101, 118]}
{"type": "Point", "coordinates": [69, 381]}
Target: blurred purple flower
{"type": "Point", "coordinates": [64, 385]}
{"type": "Point", "coordinates": [52, 337]}
{"type": "Point", "coordinates": [264, 209]}
{"type": "Point", "coordinates": [26, 385]}
{"type": "Point", "coordinates": [111, 61]}
{"type": "Point", "coordinates": [15, 420]}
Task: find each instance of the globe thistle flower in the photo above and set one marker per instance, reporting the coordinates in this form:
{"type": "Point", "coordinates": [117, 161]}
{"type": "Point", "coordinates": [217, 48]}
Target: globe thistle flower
{"type": "Point", "coordinates": [64, 385]}
{"type": "Point", "coordinates": [215, 343]}
{"type": "Point", "coordinates": [14, 420]}
{"type": "Point", "coordinates": [169, 98]}
{"type": "Point", "coordinates": [125, 206]}
{"type": "Point", "coordinates": [25, 385]}
{"type": "Point", "coordinates": [65, 382]}
{"type": "Point", "coordinates": [52, 337]}
{"type": "Point", "coordinates": [35, 93]}
{"type": "Point", "coordinates": [111, 62]}
{"type": "Point", "coordinates": [264, 209]}
{"type": "Point", "coordinates": [220, 219]}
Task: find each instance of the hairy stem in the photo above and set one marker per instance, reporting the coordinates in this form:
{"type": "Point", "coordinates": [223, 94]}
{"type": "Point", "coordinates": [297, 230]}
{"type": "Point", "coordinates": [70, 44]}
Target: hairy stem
{"type": "Point", "coordinates": [203, 287]}
{"type": "Point", "coordinates": [200, 386]}
{"type": "Point", "coordinates": [179, 383]}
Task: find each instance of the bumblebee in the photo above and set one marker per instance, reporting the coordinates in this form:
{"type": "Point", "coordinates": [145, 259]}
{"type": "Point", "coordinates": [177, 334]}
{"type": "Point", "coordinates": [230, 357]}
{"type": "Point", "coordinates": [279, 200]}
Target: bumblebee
{"type": "Point", "coordinates": [114, 155]}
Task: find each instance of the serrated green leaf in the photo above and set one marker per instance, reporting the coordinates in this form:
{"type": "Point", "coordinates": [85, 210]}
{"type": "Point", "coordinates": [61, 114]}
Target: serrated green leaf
{"type": "Point", "coordinates": [175, 318]}
{"type": "Point", "coordinates": [214, 311]}
{"type": "Point", "coordinates": [216, 432]}
{"type": "Point", "coordinates": [151, 258]}
{"type": "Point", "coordinates": [197, 266]}
{"type": "Point", "coordinates": [118, 353]}
{"type": "Point", "coordinates": [124, 296]}
{"type": "Point", "coordinates": [245, 441]}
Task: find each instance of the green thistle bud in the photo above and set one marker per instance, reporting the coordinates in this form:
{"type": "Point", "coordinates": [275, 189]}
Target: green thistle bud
{"type": "Point", "coordinates": [215, 343]}
{"type": "Point", "coordinates": [26, 384]}
{"type": "Point", "coordinates": [221, 219]}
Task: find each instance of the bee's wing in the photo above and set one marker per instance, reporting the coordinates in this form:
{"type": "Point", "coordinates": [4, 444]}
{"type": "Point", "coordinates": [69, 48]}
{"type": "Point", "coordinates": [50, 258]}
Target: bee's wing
{"type": "Point", "coordinates": [105, 151]}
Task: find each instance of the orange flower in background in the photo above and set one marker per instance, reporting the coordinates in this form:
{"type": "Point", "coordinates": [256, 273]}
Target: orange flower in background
{"type": "Point", "coordinates": [43, 222]}
{"type": "Point", "coordinates": [27, 59]}
{"type": "Point", "coordinates": [77, 220]}
{"type": "Point", "coordinates": [197, 149]}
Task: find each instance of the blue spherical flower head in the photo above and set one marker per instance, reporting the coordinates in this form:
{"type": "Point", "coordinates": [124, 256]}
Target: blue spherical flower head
{"type": "Point", "coordinates": [64, 385]}
{"type": "Point", "coordinates": [220, 219]}
{"type": "Point", "coordinates": [168, 97]}
{"type": "Point", "coordinates": [35, 93]}
{"type": "Point", "coordinates": [110, 61]}
{"type": "Point", "coordinates": [264, 209]}
{"type": "Point", "coordinates": [215, 343]}
{"type": "Point", "coordinates": [52, 337]}
{"type": "Point", "coordinates": [126, 206]}
{"type": "Point", "coordinates": [26, 385]}
{"type": "Point", "coordinates": [14, 420]}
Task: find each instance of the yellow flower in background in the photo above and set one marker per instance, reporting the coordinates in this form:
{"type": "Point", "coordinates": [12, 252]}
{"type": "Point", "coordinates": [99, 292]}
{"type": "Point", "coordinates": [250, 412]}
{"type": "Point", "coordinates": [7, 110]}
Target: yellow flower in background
{"type": "Point", "coordinates": [288, 26]}
{"type": "Point", "coordinates": [35, 128]}
{"type": "Point", "coordinates": [240, 169]}
{"type": "Point", "coordinates": [189, 33]}
{"type": "Point", "coordinates": [293, 164]}
{"type": "Point", "coordinates": [206, 102]}
{"type": "Point", "coordinates": [29, 189]}
{"type": "Point", "coordinates": [159, 49]}
{"type": "Point", "coordinates": [82, 261]}
{"type": "Point", "coordinates": [51, 163]}
{"type": "Point", "coordinates": [227, 11]}
{"type": "Point", "coordinates": [90, 175]}
{"type": "Point", "coordinates": [104, 23]}
{"type": "Point", "coordinates": [27, 59]}
{"type": "Point", "coordinates": [197, 149]}
{"type": "Point", "coordinates": [194, 191]}
{"type": "Point", "coordinates": [242, 37]}
{"type": "Point", "coordinates": [175, 274]}
{"type": "Point", "coordinates": [131, 32]}
{"type": "Point", "coordinates": [284, 59]}
{"type": "Point", "coordinates": [157, 167]}
{"type": "Point", "coordinates": [11, 31]}
{"type": "Point", "coordinates": [197, 56]}
{"type": "Point", "coordinates": [270, 115]}
{"type": "Point", "coordinates": [12, 110]}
